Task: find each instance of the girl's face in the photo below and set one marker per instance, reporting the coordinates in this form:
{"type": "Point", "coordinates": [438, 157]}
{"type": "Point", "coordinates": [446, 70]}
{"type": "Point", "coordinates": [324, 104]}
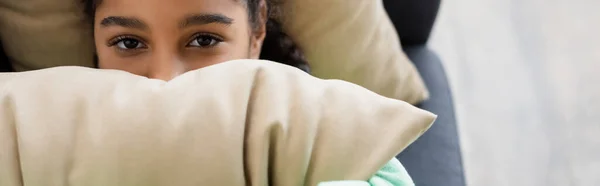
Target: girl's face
{"type": "Point", "coordinates": [162, 39]}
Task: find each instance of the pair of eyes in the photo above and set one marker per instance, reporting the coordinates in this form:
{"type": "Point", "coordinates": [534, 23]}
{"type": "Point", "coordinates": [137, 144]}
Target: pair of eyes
{"type": "Point", "coordinates": [202, 40]}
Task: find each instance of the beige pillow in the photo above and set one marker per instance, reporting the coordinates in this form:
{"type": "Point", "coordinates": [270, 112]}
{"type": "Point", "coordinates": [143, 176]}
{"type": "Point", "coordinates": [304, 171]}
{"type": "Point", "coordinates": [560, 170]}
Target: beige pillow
{"type": "Point", "coordinates": [354, 40]}
{"type": "Point", "coordinates": [39, 34]}
{"type": "Point", "coordinates": [237, 123]}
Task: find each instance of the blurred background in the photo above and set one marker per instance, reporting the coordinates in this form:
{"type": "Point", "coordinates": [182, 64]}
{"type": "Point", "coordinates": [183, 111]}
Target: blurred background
{"type": "Point", "coordinates": [526, 82]}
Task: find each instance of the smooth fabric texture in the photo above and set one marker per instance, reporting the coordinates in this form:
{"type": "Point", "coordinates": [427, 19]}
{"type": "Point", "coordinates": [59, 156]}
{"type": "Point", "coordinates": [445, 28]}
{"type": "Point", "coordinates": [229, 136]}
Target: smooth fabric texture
{"type": "Point", "coordinates": [392, 174]}
{"type": "Point", "coordinates": [243, 122]}
{"type": "Point", "coordinates": [353, 41]}
{"type": "Point", "coordinates": [435, 158]}
{"type": "Point", "coordinates": [39, 34]}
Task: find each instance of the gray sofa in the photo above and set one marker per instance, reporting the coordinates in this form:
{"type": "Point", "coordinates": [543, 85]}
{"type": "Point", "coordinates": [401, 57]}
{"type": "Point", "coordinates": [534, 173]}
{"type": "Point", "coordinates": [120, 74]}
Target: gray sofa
{"type": "Point", "coordinates": [434, 159]}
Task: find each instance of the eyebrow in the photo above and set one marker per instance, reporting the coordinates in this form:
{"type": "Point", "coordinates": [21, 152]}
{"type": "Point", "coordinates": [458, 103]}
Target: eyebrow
{"type": "Point", "coordinates": [203, 19]}
{"type": "Point", "coordinates": [128, 22]}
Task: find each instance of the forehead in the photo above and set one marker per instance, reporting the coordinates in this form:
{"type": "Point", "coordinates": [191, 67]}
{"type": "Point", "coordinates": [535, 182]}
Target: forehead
{"type": "Point", "coordinates": [155, 9]}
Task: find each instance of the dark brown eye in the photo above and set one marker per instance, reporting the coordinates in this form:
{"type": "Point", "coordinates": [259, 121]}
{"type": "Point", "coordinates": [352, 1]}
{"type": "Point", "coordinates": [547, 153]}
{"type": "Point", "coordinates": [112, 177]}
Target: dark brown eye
{"type": "Point", "coordinates": [128, 43]}
{"type": "Point", "coordinates": [205, 41]}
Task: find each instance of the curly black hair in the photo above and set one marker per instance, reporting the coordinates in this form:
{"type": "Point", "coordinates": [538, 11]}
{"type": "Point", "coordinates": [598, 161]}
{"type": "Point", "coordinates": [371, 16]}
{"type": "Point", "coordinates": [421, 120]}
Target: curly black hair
{"type": "Point", "coordinates": [277, 46]}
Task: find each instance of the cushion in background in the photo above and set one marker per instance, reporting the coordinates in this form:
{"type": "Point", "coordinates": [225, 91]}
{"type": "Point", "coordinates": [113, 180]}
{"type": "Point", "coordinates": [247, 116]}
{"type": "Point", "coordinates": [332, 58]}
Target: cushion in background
{"type": "Point", "coordinates": [236, 123]}
{"type": "Point", "coordinates": [354, 40]}
{"type": "Point", "coordinates": [39, 34]}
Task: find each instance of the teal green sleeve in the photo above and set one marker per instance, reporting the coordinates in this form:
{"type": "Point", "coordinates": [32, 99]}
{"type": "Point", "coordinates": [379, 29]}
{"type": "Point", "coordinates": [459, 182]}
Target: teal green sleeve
{"type": "Point", "coordinates": [392, 174]}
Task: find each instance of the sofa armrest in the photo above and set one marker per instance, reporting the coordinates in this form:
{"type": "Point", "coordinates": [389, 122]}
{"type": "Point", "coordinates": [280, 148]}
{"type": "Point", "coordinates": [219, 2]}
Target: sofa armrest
{"type": "Point", "coordinates": [435, 159]}
{"type": "Point", "coordinates": [413, 19]}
